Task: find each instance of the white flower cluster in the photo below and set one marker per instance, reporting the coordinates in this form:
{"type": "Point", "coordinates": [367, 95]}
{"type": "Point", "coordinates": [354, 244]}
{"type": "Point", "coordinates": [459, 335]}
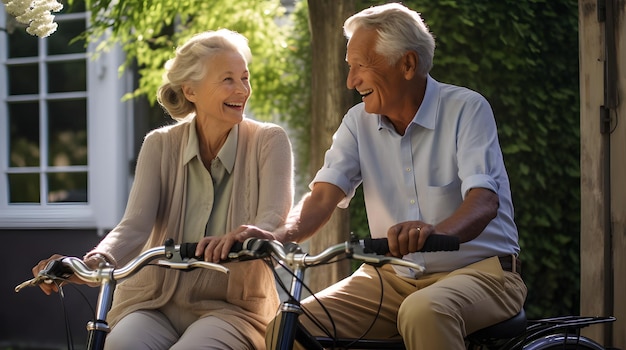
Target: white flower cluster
{"type": "Point", "coordinates": [37, 14]}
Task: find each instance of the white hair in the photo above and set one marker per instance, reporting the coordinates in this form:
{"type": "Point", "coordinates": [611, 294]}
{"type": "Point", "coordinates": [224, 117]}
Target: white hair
{"type": "Point", "coordinates": [189, 65]}
{"type": "Point", "coordinates": [400, 29]}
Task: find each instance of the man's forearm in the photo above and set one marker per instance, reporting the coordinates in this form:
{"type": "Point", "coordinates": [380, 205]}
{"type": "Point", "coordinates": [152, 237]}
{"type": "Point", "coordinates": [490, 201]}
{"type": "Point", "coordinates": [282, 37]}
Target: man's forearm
{"type": "Point", "coordinates": [310, 214]}
{"type": "Point", "coordinates": [477, 210]}
{"type": "Point", "coordinates": [299, 228]}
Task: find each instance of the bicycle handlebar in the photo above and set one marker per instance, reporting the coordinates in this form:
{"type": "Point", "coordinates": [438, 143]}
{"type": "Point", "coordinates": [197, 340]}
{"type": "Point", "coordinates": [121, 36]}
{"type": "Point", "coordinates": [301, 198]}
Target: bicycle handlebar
{"type": "Point", "coordinates": [368, 250]}
{"type": "Point", "coordinates": [63, 268]}
{"type": "Point", "coordinates": [182, 256]}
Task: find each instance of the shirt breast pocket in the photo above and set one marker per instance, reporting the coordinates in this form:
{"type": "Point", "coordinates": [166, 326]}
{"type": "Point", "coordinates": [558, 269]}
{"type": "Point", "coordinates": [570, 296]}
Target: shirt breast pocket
{"type": "Point", "coordinates": [439, 202]}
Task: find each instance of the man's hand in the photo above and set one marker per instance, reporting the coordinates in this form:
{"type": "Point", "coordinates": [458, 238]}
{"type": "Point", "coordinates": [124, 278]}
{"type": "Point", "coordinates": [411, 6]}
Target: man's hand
{"type": "Point", "coordinates": [467, 222]}
{"type": "Point", "coordinates": [408, 237]}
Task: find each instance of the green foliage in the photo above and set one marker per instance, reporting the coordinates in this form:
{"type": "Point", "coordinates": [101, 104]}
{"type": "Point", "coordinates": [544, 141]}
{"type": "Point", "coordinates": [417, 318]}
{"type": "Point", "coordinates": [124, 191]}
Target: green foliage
{"type": "Point", "coordinates": [150, 30]}
{"type": "Point", "coordinates": [523, 57]}
{"type": "Point", "coordinates": [295, 99]}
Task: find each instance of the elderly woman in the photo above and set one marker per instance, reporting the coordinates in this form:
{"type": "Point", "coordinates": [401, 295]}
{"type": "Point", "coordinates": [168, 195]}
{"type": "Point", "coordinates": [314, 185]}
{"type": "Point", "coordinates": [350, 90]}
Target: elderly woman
{"type": "Point", "coordinates": [196, 180]}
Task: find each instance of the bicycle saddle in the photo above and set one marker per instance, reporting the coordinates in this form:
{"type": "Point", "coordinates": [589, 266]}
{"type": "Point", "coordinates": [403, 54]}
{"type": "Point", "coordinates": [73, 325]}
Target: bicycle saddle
{"type": "Point", "coordinates": [503, 330]}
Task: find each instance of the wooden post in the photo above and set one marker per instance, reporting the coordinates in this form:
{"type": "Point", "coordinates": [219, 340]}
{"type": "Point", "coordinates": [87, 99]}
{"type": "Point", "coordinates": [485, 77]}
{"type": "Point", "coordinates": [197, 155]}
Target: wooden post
{"type": "Point", "coordinates": [603, 166]}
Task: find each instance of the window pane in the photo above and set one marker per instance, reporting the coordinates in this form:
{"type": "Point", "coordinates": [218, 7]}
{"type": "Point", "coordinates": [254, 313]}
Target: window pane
{"type": "Point", "coordinates": [67, 76]}
{"type": "Point", "coordinates": [21, 44]}
{"type": "Point", "coordinates": [23, 188]}
{"type": "Point", "coordinates": [23, 79]}
{"type": "Point", "coordinates": [67, 187]}
{"type": "Point", "coordinates": [67, 132]}
{"type": "Point", "coordinates": [24, 134]}
{"type": "Point", "coordinates": [61, 42]}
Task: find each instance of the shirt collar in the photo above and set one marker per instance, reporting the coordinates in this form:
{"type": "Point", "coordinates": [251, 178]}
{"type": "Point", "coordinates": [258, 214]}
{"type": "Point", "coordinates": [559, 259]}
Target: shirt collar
{"type": "Point", "coordinates": [426, 115]}
{"type": "Point", "coordinates": [227, 153]}
{"type": "Point", "coordinates": [229, 150]}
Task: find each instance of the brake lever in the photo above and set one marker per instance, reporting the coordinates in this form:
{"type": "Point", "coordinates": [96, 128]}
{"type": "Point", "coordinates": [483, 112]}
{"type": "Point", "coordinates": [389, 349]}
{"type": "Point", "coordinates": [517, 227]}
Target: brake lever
{"type": "Point", "coordinates": [174, 260]}
{"type": "Point", "coordinates": [356, 250]}
{"type": "Point", "coordinates": [192, 264]}
{"type": "Point", "coordinates": [53, 270]}
{"type": "Point", "coordinates": [32, 282]}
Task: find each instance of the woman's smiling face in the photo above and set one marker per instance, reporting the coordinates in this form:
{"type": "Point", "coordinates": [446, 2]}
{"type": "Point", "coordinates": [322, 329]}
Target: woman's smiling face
{"type": "Point", "coordinates": [378, 82]}
{"type": "Point", "coordinates": [223, 92]}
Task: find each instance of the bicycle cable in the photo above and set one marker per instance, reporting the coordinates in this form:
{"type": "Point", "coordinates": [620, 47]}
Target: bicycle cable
{"type": "Point", "coordinates": [68, 329]}
{"type": "Point", "coordinates": [380, 305]}
{"type": "Point", "coordinates": [311, 317]}
{"type": "Point", "coordinates": [314, 319]}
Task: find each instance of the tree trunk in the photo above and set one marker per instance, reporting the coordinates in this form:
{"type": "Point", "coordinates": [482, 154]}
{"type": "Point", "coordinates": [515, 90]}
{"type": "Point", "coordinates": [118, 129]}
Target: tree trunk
{"type": "Point", "coordinates": [330, 101]}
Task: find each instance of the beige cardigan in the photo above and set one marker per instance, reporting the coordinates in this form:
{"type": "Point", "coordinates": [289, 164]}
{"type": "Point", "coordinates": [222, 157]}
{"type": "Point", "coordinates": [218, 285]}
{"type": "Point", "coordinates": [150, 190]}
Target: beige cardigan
{"type": "Point", "coordinates": [262, 195]}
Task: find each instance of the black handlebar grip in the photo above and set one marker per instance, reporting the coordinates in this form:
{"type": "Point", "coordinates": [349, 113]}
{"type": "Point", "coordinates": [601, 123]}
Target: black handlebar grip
{"type": "Point", "coordinates": [434, 243]}
{"type": "Point", "coordinates": [188, 250]}
{"type": "Point", "coordinates": [237, 247]}
{"type": "Point", "coordinates": [56, 268]}
{"type": "Point", "coordinates": [375, 245]}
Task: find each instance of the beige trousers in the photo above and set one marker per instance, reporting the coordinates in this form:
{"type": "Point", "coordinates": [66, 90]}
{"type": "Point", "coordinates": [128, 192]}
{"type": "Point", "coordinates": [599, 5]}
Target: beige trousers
{"type": "Point", "coordinates": [435, 311]}
{"type": "Point", "coordinates": [153, 330]}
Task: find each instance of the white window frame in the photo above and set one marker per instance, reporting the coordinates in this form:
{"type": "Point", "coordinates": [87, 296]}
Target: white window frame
{"type": "Point", "coordinates": [109, 135]}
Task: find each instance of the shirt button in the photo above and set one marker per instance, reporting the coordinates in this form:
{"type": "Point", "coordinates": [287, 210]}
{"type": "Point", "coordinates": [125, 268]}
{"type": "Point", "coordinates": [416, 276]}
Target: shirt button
{"type": "Point", "coordinates": [412, 201]}
{"type": "Point", "coordinates": [408, 169]}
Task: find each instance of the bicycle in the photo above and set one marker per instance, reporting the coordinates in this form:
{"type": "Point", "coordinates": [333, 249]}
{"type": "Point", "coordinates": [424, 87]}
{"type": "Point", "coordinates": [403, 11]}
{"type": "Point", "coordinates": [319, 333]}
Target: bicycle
{"type": "Point", "coordinates": [513, 334]}
{"type": "Point", "coordinates": [516, 333]}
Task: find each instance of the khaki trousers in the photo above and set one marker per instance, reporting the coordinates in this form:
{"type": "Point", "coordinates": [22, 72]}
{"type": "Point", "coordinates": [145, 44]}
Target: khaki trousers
{"type": "Point", "coordinates": [434, 311]}
{"type": "Point", "coordinates": [151, 330]}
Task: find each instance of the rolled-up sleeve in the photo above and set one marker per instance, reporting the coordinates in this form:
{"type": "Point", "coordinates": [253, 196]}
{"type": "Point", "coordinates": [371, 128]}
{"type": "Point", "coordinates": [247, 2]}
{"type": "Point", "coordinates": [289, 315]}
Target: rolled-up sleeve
{"type": "Point", "coordinates": [479, 181]}
{"type": "Point", "coordinates": [341, 163]}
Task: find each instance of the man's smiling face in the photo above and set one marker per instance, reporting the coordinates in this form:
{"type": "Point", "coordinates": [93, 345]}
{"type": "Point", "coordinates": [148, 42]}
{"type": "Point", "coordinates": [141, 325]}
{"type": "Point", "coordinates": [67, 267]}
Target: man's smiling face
{"type": "Point", "coordinates": [378, 82]}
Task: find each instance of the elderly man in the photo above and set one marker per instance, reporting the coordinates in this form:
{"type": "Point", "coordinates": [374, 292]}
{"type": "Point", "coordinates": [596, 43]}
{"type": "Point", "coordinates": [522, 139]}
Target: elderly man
{"type": "Point", "coordinates": [428, 157]}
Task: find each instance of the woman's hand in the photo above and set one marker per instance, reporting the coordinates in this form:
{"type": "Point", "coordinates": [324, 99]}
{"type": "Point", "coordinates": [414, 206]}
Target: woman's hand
{"type": "Point", "coordinates": [216, 249]}
{"type": "Point", "coordinates": [48, 288]}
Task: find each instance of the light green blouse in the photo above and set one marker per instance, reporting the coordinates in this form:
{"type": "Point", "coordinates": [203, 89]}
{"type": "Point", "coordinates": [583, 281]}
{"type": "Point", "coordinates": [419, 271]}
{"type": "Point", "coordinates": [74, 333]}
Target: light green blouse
{"type": "Point", "coordinates": [208, 191]}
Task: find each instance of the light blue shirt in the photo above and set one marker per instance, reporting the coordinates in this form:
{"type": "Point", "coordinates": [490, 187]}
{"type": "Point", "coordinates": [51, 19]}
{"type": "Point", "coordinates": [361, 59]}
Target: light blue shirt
{"type": "Point", "coordinates": [450, 147]}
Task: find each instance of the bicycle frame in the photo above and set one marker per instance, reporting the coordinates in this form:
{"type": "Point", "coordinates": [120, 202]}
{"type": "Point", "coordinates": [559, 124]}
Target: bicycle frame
{"type": "Point", "coordinates": [545, 334]}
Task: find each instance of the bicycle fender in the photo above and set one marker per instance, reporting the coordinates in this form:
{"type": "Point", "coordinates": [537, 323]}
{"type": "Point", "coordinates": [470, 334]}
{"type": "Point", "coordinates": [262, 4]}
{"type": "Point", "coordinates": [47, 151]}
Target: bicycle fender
{"type": "Point", "coordinates": [557, 341]}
